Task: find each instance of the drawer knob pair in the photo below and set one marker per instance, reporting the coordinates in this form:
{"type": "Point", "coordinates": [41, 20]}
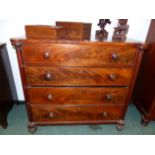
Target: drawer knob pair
{"type": "Point", "coordinates": [46, 55]}
{"type": "Point", "coordinates": [115, 57]}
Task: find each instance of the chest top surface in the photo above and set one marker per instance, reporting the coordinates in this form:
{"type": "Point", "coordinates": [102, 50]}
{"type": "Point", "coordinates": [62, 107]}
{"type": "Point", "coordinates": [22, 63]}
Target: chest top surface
{"type": "Point", "coordinates": [23, 40]}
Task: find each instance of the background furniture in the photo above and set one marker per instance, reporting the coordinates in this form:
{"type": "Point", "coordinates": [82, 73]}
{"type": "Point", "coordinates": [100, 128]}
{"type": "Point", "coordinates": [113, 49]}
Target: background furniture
{"type": "Point", "coordinates": [7, 87]}
{"type": "Point", "coordinates": [144, 91]}
{"type": "Point", "coordinates": [77, 82]}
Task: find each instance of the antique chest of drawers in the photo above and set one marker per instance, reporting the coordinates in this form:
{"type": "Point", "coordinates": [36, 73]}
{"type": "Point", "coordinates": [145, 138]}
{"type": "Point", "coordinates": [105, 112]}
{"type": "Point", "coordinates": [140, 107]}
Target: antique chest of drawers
{"type": "Point", "coordinates": [77, 82]}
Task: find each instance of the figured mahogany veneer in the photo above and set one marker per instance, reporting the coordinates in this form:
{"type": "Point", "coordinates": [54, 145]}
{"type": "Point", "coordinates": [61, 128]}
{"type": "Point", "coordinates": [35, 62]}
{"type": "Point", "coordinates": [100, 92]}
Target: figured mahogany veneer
{"type": "Point", "coordinates": [82, 54]}
{"type": "Point", "coordinates": [65, 114]}
{"type": "Point", "coordinates": [77, 95]}
{"type": "Point", "coordinates": [77, 82]}
{"type": "Point", "coordinates": [78, 76]}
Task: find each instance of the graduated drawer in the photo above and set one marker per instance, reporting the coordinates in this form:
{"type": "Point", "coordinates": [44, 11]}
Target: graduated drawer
{"type": "Point", "coordinates": [75, 113]}
{"type": "Point", "coordinates": [80, 54]}
{"type": "Point", "coordinates": [77, 95]}
{"type": "Point", "coordinates": [78, 76]}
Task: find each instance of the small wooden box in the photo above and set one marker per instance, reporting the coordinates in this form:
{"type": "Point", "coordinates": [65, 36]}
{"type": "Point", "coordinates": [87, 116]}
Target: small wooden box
{"type": "Point", "coordinates": [74, 30]}
{"type": "Point", "coordinates": [41, 31]}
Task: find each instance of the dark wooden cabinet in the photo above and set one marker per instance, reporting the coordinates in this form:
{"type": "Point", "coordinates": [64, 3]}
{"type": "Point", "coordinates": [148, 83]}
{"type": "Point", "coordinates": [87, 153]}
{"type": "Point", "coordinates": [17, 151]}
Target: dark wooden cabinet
{"type": "Point", "coordinates": [7, 88]}
{"type": "Point", "coordinates": [144, 91]}
{"type": "Point", "coordinates": [77, 82]}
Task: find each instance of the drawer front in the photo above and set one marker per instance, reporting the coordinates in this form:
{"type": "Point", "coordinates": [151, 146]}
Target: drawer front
{"type": "Point", "coordinates": [78, 113]}
{"type": "Point", "coordinates": [77, 76]}
{"type": "Point", "coordinates": [80, 55]}
{"type": "Point", "coordinates": [76, 96]}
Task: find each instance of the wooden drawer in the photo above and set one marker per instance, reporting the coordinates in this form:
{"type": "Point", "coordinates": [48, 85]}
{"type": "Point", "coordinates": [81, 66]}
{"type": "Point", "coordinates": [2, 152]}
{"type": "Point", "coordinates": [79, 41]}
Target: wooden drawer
{"type": "Point", "coordinates": [78, 76]}
{"type": "Point", "coordinates": [77, 95]}
{"type": "Point", "coordinates": [80, 54]}
{"type": "Point", "coordinates": [75, 113]}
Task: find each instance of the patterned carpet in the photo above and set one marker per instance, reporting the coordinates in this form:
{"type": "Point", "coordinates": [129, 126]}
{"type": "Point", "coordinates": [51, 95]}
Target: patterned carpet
{"type": "Point", "coordinates": [17, 120]}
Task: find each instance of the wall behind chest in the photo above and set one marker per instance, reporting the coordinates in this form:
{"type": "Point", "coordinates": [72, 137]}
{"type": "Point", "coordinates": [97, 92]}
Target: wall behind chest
{"type": "Point", "coordinates": [15, 28]}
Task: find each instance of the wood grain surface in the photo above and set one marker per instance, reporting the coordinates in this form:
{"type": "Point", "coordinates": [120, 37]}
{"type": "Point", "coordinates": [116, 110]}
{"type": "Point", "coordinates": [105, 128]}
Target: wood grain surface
{"type": "Point", "coordinates": [77, 95]}
{"type": "Point", "coordinates": [79, 55]}
{"type": "Point", "coordinates": [77, 82]}
{"type": "Point", "coordinates": [79, 76]}
{"type": "Point", "coordinates": [50, 113]}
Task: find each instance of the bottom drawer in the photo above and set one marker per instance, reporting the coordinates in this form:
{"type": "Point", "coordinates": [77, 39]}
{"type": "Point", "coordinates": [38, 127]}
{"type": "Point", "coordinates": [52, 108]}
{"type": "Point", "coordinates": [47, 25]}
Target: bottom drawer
{"type": "Point", "coordinates": [50, 113]}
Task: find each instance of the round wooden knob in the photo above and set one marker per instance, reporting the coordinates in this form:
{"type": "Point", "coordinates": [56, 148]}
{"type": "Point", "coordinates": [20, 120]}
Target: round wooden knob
{"type": "Point", "coordinates": [108, 97]}
{"type": "Point", "coordinates": [115, 57]}
{"type": "Point", "coordinates": [79, 108]}
{"type": "Point", "coordinates": [51, 115]}
{"type": "Point", "coordinates": [105, 114]}
{"type": "Point", "coordinates": [48, 76]}
{"type": "Point", "coordinates": [46, 55]}
{"type": "Point", "coordinates": [113, 77]}
{"type": "Point", "coordinates": [49, 97]}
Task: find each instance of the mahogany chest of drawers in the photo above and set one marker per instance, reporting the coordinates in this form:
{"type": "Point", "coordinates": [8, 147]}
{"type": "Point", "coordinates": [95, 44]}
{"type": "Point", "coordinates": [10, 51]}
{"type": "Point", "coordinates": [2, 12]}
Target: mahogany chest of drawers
{"type": "Point", "coordinates": [77, 82]}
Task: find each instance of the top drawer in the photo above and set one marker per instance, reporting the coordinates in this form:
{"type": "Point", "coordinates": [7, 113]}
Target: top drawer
{"type": "Point", "coordinates": [62, 54]}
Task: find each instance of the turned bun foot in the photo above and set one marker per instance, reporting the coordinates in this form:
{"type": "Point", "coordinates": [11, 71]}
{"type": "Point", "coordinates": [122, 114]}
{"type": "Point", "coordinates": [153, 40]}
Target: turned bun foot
{"type": "Point", "coordinates": [120, 125]}
{"type": "Point", "coordinates": [144, 121]}
{"type": "Point", "coordinates": [32, 127]}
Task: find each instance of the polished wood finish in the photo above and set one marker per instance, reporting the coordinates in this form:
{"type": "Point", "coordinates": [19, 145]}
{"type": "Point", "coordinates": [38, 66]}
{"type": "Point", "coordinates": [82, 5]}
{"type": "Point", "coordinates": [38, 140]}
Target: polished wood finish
{"type": "Point", "coordinates": [77, 95]}
{"type": "Point", "coordinates": [74, 30]}
{"type": "Point", "coordinates": [144, 91]}
{"type": "Point", "coordinates": [42, 31]}
{"type": "Point", "coordinates": [64, 114]}
{"type": "Point", "coordinates": [83, 54]}
{"type": "Point", "coordinates": [8, 94]}
{"type": "Point", "coordinates": [78, 76]}
{"type": "Point", "coordinates": [81, 82]}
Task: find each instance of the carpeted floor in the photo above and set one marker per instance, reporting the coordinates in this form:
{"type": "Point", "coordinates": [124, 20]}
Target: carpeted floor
{"type": "Point", "coordinates": [17, 120]}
